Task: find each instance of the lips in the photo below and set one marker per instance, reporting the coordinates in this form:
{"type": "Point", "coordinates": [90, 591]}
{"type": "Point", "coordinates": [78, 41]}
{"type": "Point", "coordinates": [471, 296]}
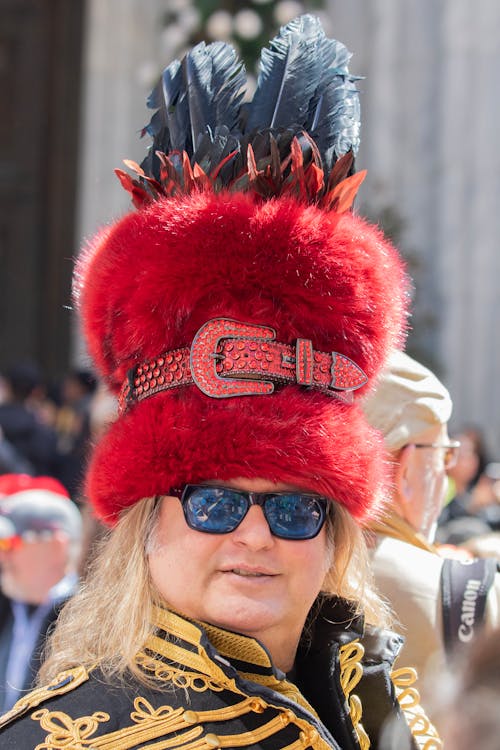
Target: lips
{"type": "Point", "coordinates": [246, 572]}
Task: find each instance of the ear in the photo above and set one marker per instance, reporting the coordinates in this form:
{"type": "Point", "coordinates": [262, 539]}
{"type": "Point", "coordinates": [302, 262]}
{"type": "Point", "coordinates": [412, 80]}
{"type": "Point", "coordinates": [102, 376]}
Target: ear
{"type": "Point", "coordinates": [403, 483]}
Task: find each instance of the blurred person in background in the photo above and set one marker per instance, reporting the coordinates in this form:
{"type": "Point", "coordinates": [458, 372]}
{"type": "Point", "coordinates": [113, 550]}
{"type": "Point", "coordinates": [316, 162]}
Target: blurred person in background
{"type": "Point", "coordinates": [103, 410]}
{"type": "Point", "coordinates": [21, 424]}
{"type": "Point", "coordinates": [460, 534]}
{"type": "Point", "coordinates": [71, 424]}
{"type": "Point", "coordinates": [10, 484]}
{"type": "Point", "coordinates": [11, 461]}
{"type": "Point", "coordinates": [411, 407]}
{"type": "Point", "coordinates": [472, 488]}
{"type": "Point", "coordinates": [39, 554]}
{"type": "Point", "coordinates": [486, 496]}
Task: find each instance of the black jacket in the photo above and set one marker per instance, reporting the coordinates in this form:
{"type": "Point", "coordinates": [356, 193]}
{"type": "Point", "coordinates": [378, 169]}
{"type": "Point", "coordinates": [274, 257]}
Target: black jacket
{"type": "Point", "coordinates": [214, 688]}
{"type": "Point", "coordinates": [34, 441]}
{"type": "Point", "coordinates": [6, 624]}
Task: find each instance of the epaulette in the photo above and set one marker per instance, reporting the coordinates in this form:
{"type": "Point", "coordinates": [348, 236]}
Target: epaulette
{"type": "Point", "coordinates": [63, 683]}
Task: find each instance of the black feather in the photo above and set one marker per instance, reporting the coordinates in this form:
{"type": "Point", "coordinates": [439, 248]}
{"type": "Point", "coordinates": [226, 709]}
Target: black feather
{"type": "Point", "coordinates": [334, 116]}
{"type": "Point", "coordinates": [194, 97]}
{"type": "Point", "coordinates": [303, 85]}
{"type": "Point", "coordinates": [213, 80]}
{"type": "Point", "coordinates": [169, 123]}
{"type": "Point", "coordinates": [214, 147]}
{"type": "Point", "coordinates": [289, 72]}
{"type": "Point", "coordinates": [304, 82]}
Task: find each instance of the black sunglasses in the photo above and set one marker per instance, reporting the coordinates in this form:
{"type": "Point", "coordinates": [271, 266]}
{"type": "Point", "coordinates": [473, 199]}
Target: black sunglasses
{"type": "Point", "coordinates": [220, 510]}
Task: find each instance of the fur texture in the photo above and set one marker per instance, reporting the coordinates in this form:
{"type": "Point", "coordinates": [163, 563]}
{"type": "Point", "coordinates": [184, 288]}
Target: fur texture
{"type": "Point", "coordinates": [147, 284]}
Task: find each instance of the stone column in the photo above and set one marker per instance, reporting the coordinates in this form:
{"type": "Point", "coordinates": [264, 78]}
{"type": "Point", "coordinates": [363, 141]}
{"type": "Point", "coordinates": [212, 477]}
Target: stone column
{"type": "Point", "coordinates": [121, 63]}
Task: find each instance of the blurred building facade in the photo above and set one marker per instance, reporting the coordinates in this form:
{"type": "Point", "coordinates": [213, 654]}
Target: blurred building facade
{"type": "Point", "coordinates": [40, 57]}
{"type": "Point", "coordinates": [432, 110]}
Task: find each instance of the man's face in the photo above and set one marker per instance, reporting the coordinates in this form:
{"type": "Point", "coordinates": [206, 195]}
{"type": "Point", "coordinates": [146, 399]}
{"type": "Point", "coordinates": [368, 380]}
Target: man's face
{"type": "Point", "coordinates": [28, 572]}
{"type": "Point", "coordinates": [426, 480]}
{"type": "Point", "coordinates": [248, 580]}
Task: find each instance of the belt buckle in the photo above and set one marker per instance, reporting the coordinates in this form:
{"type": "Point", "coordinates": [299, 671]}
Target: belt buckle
{"type": "Point", "coordinates": [203, 358]}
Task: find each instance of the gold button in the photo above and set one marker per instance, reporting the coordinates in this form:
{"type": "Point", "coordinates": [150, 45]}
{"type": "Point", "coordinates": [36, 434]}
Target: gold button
{"type": "Point", "coordinates": [257, 705]}
{"type": "Point", "coordinates": [286, 717]}
{"type": "Point", "coordinates": [212, 740]}
{"type": "Point", "coordinates": [308, 737]}
{"type": "Point", "coordinates": [190, 717]}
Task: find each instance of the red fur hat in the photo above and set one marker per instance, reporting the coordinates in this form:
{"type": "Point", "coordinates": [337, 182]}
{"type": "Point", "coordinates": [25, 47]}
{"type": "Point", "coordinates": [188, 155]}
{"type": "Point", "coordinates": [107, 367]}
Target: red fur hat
{"type": "Point", "coordinates": [252, 227]}
{"type": "Point", "coordinates": [151, 281]}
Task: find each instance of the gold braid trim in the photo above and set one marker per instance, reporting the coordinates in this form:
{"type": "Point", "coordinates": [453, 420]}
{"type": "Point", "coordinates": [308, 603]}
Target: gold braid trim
{"type": "Point", "coordinates": [63, 683]}
{"type": "Point", "coordinates": [201, 672]}
{"type": "Point", "coordinates": [149, 723]}
{"type": "Point", "coordinates": [66, 732]}
{"type": "Point", "coordinates": [231, 644]}
{"type": "Point", "coordinates": [170, 728]}
{"type": "Point", "coordinates": [283, 687]}
{"type": "Point", "coordinates": [351, 672]}
{"type": "Point", "coordinates": [181, 678]}
{"type": "Point", "coordinates": [197, 662]}
{"type": "Point", "coordinates": [422, 729]}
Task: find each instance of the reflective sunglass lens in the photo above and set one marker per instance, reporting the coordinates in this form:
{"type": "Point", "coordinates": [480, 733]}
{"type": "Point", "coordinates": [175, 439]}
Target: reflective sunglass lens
{"type": "Point", "coordinates": [214, 510]}
{"type": "Point", "coordinates": [294, 516]}
{"type": "Point", "coordinates": [220, 510]}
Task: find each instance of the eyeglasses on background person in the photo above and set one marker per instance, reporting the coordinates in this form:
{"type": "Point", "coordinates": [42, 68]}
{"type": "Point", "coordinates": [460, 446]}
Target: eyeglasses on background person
{"type": "Point", "coordinates": [450, 451]}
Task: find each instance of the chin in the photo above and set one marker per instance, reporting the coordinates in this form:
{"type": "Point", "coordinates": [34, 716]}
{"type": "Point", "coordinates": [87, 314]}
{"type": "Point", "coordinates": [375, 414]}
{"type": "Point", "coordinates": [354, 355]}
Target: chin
{"type": "Point", "coordinates": [247, 617]}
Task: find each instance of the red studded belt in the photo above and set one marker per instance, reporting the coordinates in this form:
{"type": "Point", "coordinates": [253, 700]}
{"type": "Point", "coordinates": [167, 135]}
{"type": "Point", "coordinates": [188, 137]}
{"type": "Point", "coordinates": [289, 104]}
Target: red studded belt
{"type": "Point", "coordinates": [228, 358]}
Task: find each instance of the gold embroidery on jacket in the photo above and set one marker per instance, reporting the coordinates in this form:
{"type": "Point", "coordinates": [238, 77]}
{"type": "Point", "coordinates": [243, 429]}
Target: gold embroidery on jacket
{"type": "Point", "coordinates": [247, 648]}
{"type": "Point", "coordinates": [179, 677]}
{"type": "Point", "coordinates": [351, 672]}
{"type": "Point", "coordinates": [63, 683]}
{"type": "Point", "coordinates": [283, 687]}
{"type": "Point", "coordinates": [181, 661]}
{"type": "Point", "coordinates": [172, 727]}
{"type": "Point", "coordinates": [66, 732]}
{"type": "Point", "coordinates": [228, 644]}
{"type": "Point", "coordinates": [422, 729]}
{"type": "Point", "coordinates": [197, 662]}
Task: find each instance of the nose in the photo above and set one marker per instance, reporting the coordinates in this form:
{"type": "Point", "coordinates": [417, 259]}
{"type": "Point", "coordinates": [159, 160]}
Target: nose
{"type": "Point", "coordinates": [254, 531]}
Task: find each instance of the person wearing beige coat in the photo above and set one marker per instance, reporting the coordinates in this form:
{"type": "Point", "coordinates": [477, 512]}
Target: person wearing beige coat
{"type": "Point", "coordinates": [411, 407]}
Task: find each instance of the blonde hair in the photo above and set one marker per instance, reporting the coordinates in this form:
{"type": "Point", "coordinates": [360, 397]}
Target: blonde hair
{"type": "Point", "coordinates": [350, 576]}
{"type": "Point", "coordinates": [108, 621]}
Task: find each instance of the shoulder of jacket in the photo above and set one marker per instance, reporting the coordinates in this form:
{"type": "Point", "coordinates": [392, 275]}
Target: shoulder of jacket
{"type": "Point", "coordinates": [389, 546]}
{"type": "Point", "coordinates": [401, 568]}
{"type": "Point", "coordinates": [65, 682]}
